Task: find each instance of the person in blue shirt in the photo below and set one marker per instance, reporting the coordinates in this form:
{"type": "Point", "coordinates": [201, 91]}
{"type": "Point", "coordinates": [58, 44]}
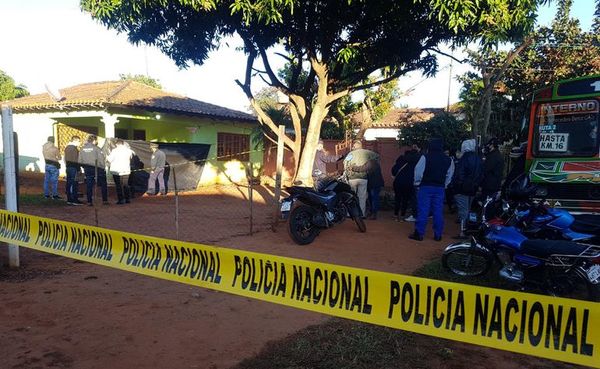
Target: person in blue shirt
{"type": "Point", "coordinates": [433, 173]}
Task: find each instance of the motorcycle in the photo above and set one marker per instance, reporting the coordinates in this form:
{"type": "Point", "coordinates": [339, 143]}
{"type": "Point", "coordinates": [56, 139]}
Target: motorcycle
{"type": "Point", "coordinates": [524, 207]}
{"type": "Point", "coordinates": [554, 267]}
{"type": "Point", "coordinates": [309, 210]}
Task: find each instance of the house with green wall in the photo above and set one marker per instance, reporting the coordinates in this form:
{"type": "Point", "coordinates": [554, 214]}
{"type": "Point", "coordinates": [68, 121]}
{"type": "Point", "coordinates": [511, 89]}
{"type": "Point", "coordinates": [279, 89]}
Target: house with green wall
{"type": "Point", "coordinates": [134, 111]}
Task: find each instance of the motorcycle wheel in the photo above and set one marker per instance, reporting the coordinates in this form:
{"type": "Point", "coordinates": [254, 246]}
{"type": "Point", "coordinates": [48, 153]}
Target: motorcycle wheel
{"type": "Point", "coordinates": [300, 226]}
{"type": "Point", "coordinates": [466, 261]}
{"type": "Point", "coordinates": [572, 286]}
{"type": "Point", "coordinates": [355, 214]}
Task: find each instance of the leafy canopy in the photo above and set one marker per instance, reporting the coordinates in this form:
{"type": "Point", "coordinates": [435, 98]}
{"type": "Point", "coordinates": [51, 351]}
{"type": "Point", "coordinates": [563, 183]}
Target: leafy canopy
{"type": "Point", "coordinates": [353, 37]}
{"type": "Point", "coordinates": [9, 90]}
{"type": "Point", "coordinates": [445, 126]}
{"type": "Point", "coordinates": [149, 81]}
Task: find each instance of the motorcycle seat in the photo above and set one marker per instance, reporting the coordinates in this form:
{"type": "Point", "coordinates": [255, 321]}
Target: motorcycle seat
{"type": "Point", "coordinates": [545, 248]}
{"type": "Point", "coordinates": [585, 227]}
{"type": "Point", "coordinates": [300, 190]}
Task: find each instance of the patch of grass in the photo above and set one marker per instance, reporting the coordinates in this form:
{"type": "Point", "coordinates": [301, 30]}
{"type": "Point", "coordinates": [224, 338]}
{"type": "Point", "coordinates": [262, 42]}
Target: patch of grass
{"type": "Point", "coordinates": [340, 343]}
{"type": "Point", "coordinates": [36, 200]}
{"type": "Point", "coordinates": [435, 270]}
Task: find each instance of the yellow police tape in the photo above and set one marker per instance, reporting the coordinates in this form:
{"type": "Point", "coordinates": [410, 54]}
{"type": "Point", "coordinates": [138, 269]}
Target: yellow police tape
{"type": "Point", "coordinates": [554, 328]}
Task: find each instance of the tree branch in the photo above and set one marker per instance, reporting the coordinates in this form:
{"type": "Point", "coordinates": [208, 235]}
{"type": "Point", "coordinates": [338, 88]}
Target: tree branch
{"type": "Point", "coordinates": [263, 117]}
{"type": "Point", "coordinates": [274, 80]}
{"type": "Point", "coordinates": [436, 50]}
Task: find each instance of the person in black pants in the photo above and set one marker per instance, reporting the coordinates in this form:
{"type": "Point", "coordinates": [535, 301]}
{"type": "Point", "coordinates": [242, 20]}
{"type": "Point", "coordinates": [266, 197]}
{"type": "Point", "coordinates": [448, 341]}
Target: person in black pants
{"type": "Point", "coordinates": [375, 183]}
{"type": "Point", "coordinates": [404, 190]}
{"type": "Point", "coordinates": [493, 169]}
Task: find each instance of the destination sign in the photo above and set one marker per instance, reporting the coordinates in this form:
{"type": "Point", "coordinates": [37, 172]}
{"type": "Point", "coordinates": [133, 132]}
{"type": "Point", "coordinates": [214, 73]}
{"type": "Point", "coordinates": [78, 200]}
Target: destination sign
{"type": "Point", "coordinates": [584, 86]}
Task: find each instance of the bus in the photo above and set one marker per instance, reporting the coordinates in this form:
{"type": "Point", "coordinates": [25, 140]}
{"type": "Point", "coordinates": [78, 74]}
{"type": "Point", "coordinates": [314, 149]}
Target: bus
{"type": "Point", "coordinates": [563, 143]}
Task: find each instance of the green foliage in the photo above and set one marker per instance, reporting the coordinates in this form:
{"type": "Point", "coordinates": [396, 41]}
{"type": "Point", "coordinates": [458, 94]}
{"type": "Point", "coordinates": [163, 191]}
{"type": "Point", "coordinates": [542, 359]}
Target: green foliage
{"type": "Point", "coordinates": [335, 45]}
{"type": "Point", "coordinates": [333, 130]}
{"type": "Point", "coordinates": [383, 98]}
{"type": "Point", "coordinates": [9, 90]}
{"type": "Point", "coordinates": [560, 51]}
{"type": "Point", "coordinates": [450, 129]}
{"type": "Point", "coordinates": [490, 21]}
{"type": "Point", "coordinates": [149, 81]}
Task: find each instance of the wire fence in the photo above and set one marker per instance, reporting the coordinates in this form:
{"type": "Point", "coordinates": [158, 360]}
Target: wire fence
{"type": "Point", "coordinates": [238, 201]}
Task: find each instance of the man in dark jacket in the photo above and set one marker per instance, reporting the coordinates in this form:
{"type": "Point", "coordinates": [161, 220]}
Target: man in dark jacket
{"type": "Point", "coordinates": [467, 176]}
{"type": "Point", "coordinates": [73, 167]}
{"type": "Point", "coordinates": [375, 183]}
{"type": "Point", "coordinates": [404, 188]}
{"type": "Point", "coordinates": [493, 169]}
{"type": "Point", "coordinates": [433, 173]}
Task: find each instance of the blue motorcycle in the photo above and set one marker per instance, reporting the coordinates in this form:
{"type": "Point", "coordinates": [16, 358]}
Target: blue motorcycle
{"type": "Point", "coordinates": [523, 207]}
{"type": "Point", "coordinates": [553, 267]}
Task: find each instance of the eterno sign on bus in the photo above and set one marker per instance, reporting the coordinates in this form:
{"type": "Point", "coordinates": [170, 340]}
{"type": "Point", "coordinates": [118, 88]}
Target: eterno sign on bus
{"type": "Point", "coordinates": [554, 328]}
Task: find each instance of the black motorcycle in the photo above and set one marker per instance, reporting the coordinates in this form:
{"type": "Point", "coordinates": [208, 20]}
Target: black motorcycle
{"type": "Point", "coordinates": [309, 210]}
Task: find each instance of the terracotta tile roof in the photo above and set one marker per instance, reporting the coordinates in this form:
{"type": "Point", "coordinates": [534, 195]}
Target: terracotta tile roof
{"type": "Point", "coordinates": [126, 94]}
{"type": "Point", "coordinates": [397, 118]}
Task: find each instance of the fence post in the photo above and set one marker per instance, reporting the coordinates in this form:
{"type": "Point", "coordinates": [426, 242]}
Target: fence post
{"type": "Point", "coordinates": [176, 204]}
{"type": "Point", "coordinates": [250, 179]}
{"type": "Point", "coordinates": [10, 175]}
{"type": "Point", "coordinates": [277, 192]}
{"type": "Point", "coordinates": [95, 184]}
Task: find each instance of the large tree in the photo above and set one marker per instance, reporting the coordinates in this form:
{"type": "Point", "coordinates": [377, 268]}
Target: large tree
{"type": "Point", "coordinates": [332, 47]}
{"type": "Point", "coordinates": [9, 89]}
{"type": "Point", "coordinates": [559, 51]}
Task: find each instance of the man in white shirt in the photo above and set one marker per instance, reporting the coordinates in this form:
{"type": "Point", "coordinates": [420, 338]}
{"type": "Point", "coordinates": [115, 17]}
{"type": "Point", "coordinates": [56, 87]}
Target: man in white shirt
{"type": "Point", "coordinates": [119, 161]}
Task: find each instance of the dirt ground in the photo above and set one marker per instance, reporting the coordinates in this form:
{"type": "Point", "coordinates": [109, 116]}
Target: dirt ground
{"type": "Point", "coordinates": [61, 313]}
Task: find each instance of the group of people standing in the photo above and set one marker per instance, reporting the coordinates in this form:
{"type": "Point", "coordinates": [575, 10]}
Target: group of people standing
{"type": "Point", "coordinates": [363, 171]}
{"type": "Point", "coordinates": [92, 162]}
{"type": "Point", "coordinates": [421, 180]}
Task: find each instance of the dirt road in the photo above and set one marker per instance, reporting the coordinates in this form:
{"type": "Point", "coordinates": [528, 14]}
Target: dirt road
{"type": "Point", "coordinates": [61, 313]}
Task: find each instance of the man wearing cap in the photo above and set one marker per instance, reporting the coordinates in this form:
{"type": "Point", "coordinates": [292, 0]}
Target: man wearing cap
{"type": "Point", "coordinates": [91, 158]}
{"type": "Point", "coordinates": [51, 169]}
{"type": "Point", "coordinates": [157, 171]}
{"type": "Point", "coordinates": [493, 169]}
{"type": "Point", "coordinates": [358, 180]}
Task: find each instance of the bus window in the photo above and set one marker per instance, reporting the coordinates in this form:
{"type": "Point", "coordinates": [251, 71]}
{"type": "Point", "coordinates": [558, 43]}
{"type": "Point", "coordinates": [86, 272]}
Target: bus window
{"type": "Point", "coordinates": [566, 129]}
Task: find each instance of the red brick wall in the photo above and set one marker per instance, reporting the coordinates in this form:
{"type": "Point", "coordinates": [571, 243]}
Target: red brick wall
{"type": "Point", "coordinates": [387, 148]}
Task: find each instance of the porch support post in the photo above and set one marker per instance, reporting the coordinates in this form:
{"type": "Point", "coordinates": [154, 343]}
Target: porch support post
{"type": "Point", "coordinates": [109, 125]}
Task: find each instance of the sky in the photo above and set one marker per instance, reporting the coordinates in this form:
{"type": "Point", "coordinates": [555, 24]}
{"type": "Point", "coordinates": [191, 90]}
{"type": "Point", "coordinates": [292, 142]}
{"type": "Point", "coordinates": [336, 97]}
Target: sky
{"type": "Point", "coordinates": [54, 43]}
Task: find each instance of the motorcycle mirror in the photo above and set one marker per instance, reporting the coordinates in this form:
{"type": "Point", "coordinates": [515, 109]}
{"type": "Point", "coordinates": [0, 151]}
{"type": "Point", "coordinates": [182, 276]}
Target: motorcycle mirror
{"type": "Point", "coordinates": [541, 192]}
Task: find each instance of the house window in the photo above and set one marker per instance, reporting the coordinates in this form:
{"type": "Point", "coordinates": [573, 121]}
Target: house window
{"type": "Point", "coordinates": [232, 146]}
{"type": "Point", "coordinates": [122, 133]}
{"type": "Point", "coordinates": [139, 134]}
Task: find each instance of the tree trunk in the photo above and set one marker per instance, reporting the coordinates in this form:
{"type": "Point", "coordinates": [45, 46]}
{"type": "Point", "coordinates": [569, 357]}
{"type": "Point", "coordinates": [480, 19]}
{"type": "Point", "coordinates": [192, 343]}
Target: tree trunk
{"type": "Point", "coordinates": [367, 118]}
{"type": "Point", "coordinates": [487, 106]}
{"type": "Point", "coordinates": [307, 157]}
{"type": "Point", "coordinates": [319, 111]}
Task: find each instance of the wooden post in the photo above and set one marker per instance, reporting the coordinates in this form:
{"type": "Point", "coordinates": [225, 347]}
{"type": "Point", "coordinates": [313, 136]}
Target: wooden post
{"type": "Point", "coordinates": [176, 204]}
{"type": "Point", "coordinates": [277, 192]}
{"type": "Point", "coordinates": [250, 179]}
{"type": "Point", "coordinates": [10, 176]}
